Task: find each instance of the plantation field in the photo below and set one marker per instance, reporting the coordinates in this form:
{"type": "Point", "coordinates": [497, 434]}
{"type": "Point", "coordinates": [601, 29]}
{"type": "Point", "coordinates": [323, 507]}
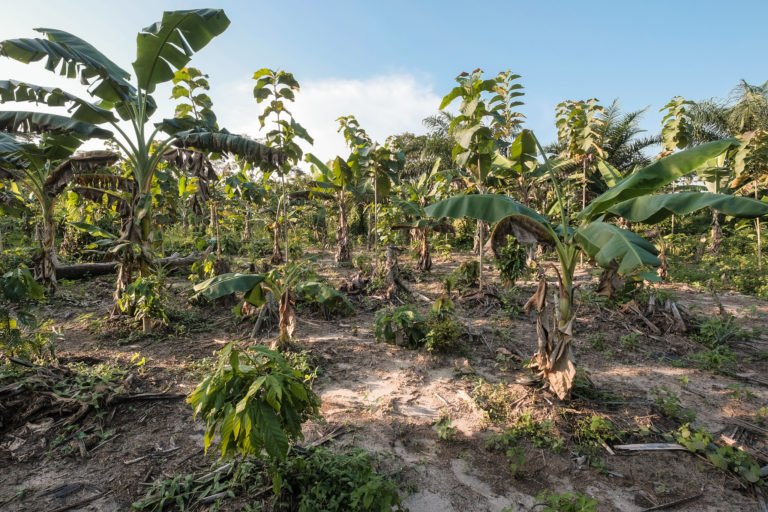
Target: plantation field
{"type": "Point", "coordinates": [389, 400]}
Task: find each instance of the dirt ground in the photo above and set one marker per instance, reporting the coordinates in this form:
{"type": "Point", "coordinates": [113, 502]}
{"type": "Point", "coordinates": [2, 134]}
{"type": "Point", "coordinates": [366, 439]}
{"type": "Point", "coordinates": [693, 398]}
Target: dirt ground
{"type": "Point", "coordinates": [390, 398]}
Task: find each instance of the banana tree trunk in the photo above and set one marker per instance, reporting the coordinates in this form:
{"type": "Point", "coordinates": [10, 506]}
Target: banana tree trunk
{"type": "Point", "coordinates": [715, 233]}
{"type": "Point", "coordinates": [277, 252]}
{"type": "Point", "coordinates": [342, 235]}
{"type": "Point", "coordinates": [425, 257]}
{"type": "Point", "coordinates": [554, 355]}
{"type": "Point", "coordinates": [287, 320]}
{"type": "Point", "coordinates": [49, 261]}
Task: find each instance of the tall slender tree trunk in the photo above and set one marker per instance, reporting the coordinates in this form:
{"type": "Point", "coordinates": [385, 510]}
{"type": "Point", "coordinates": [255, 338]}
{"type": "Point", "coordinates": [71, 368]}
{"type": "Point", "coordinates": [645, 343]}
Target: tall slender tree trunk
{"type": "Point", "coordinates": [342, 235]}
{"type": "Point", "coordinates": [715, 233]}
{"type": "Point", "coordinates": [758, 232]}
{"type": "Point", "coordinates": [277, 252]}
{"type": "Point", "coordinates": [49, 261]}
{"type": "Point", "coordinates": [425, 257]}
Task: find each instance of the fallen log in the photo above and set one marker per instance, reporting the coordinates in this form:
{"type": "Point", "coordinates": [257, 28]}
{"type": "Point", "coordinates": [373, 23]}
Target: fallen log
{"type": "Point", "coordinates": [85, 270]}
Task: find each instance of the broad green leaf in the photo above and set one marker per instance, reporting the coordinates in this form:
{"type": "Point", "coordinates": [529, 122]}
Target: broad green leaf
{"type": "Point", "coordinates": [653, 209]}
{"type": "Point", "coordinates": [657, 175]}
{"type": "Point", "coordinates": [81, 110]}
{"type": "Point", "coordinates": [227, 284]}
{"type": "Point", "coordinates": [488, 207]}
{"type": "Point", "coordinates": [222, 141]}
{"type": "Point", "coordinates": [40, 122]}
{"type": "Point", "coordinates": [606, 242]}
{"type": "Point", "coordinates": [94, 230]}
{"type": "Point", "coordinates": [168, 45]}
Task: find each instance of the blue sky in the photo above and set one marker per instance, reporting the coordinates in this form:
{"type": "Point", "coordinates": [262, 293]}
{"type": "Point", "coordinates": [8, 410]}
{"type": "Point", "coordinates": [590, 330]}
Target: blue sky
{"type": "Point", "coordinates": [390, 62]}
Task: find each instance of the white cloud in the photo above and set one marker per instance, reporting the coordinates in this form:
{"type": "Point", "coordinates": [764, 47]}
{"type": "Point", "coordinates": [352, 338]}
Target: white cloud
{"type": "Point", "coordinates": [384, 105]}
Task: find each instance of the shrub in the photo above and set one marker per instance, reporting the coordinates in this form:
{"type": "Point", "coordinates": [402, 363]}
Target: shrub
{"type": "Point", "coordinates": [404, 326]}
{"type": "Point", "coordinates": [334, 482]}
{"type": "Point", "coordinates": [511, 261]}
{"type": "Point", "coordinates": [255, 400]}
{"type": "Point", "coordinates": [142, 299]}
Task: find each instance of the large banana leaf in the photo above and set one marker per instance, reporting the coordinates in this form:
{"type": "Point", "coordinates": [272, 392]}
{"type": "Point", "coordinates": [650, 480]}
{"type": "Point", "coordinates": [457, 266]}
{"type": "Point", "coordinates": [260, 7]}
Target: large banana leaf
{"type": "Point", "coordinates": [606, 242]}
{"type": "Point", "coordinates": [227, 284]}
{"type": "Point", "coordinates": [81, 110]}
{"type": "Point", "coordinates": [76, 58]}
{"type": "Point", "coordinates": [488, 207]}
{"type": "Point", "coordinates": [40, 122]}
{"type": "Point", "coordinates": [653, 209]}
{"type": "Point", "coordinates": [222, 141]}
{"type": "Point", "coordinates": [168, 45]}
{"type": "Point", "coordinates": [657, 175]}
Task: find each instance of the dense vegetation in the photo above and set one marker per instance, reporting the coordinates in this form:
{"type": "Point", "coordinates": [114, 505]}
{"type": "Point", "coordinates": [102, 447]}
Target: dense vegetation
{"type": "Point", "coordinates": [239, 223]}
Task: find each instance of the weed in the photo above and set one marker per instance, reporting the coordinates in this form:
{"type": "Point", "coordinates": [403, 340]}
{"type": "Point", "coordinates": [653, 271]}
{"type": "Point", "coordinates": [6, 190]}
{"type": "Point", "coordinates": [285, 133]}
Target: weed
{"type": "Point", "coordinates": [466, 276]}
{"type": "Point", "coordinates": [630, 341]}
{"type": "Point", "coordinates": [334, 482]}
{"type": "Point", "coordinates": [717, 331]}
{"type": "Point", "coordinates": [596, 431]}
{"type": "Point", "coordinates": [727, 458]}
{"type": "Point", "coordinates": [740, 392]}
{"type": "Point", "coordinates": [566, 502]}
{"type": "Point", "coordinates": [668, 403]}
{"type": "Point", "coordinates": [540, 433]}
{"type": "Point", "coordinates": [494, 399]}
{"type": "Point", "coordinates": [445, 430]}
{"type": "Point", "coordinates": [718, 359]}
{"type": "Point", "coordinates": [596, 340]}
{"type": "Point", "coordinates": [403, 326]}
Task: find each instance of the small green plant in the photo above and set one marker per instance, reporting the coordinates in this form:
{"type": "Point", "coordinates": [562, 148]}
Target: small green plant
{"type": "Point", "coordinates": [727, 458]}
{"type": "Point", "coordinates": [566, 502]}
{"type": "Point", "coordinates": [324, 299]}
{"type": "Point", "coordinates": [404, 326]}
{"type": "Point", "coordinates": [717, 359]}
{"type": "Point", "coordinates": [596, 430]}
{"type": "Point", "coordinates": [334, 482]}
{"type": "Point", "coordinates": [596, 341]}
{"type": "Point", "coordinates": [740, 392]}
{"type": "Point", "coordinates": [668, 403]}
{"type": "Point", "coordinates": [363, 263]}
{"type": "Point", "coordinates": [142, 299]}
{"type": "Point", "coordinates": [466, 276]}
{"type": "Point", "coordinates": [255, 400]}
{"type": "Point", "coordinates": [494, 399]}
{"type": "Point", "coordinates": [444, 428]}
{"type": "Point", "coordinates": [510, 260]}
{"type": "Point", "coordinates": [630, 341]}
{"type": "Point", "coordinates": [684, 380]}
{"type": "Point", "coordinates": [540, 433]}
{"type": "Point", "coordinates": [719, 331]}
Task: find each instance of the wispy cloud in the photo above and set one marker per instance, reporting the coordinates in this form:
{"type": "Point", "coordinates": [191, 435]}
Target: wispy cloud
{"type": "Point", "coordinates": [384, 105]}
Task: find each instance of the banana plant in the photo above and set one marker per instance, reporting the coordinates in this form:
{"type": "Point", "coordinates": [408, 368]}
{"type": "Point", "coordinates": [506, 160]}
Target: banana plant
{"type": "Point", "coordinates": [632, 198]}
{"type": "Point", "coordinates": [162, 49]}
{"type": "Point", "coordinates": [43, 170]}
{"type": "Point", "coordinates": [415, 195]}
{"type": "Point", "coordinates": [275, 292]}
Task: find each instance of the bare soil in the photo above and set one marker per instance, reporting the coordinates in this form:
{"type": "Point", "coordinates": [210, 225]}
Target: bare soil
{"type": "Point", "coordinates": [390, 398]}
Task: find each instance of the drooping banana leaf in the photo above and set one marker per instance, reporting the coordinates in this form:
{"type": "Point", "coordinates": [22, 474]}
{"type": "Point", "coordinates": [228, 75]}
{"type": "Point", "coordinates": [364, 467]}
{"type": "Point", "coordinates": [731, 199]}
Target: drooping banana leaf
{"type": "Point", "coordinates": [606, 242]}
{"type": "Point", "coordinates": [488, 207]}
{"type": "Point", "coordinates": [227, 284]}
{"type": "Point", "coordinates": [41, 122]}
{"type": "Point", "coordinates": [657, 175]}
{"type": "Point", "coordinates": [81, 110]}
{"type": "Point", "coordinates": [168, 45]}
{"type": "Point", "coordinates": [525, 230]}
{"type": "Point", "coordinates": [222, 141]}
{"type": "Point", "coordinates": [653, 209]}
{"type": "Point", "coordinates": [88, 161]}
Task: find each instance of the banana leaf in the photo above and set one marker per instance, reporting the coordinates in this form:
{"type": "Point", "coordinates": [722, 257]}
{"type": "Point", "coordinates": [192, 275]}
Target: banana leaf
{"type": "Point", "coordinates": [488, 207]}
{"type": "Point", "coordinates": [653, 209]}
{"type": "Point", "coordinates": [606, 242]}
